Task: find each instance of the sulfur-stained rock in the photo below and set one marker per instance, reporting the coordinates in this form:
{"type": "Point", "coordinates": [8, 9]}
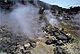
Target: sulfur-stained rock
{"type": "Point", "coordinates": [42, 48]}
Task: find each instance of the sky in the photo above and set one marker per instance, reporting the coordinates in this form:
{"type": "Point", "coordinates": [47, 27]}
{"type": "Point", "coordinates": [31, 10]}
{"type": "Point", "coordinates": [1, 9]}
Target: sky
{"type": "Point", "coordinates": [63, 3]}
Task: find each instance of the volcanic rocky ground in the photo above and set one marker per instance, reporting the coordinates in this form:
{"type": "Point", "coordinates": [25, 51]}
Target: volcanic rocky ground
{"type": "Point", "coordinates": [61, 39]}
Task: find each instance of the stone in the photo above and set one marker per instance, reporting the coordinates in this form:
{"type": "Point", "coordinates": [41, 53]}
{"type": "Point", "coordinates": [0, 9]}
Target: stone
{"type": "Point", "coordinates": [59, 50]}
{"type": "Point", "coordinates": [50, 41]}
{"type": "Point", "coordinates": [3, 53]}
{"type": "Point", "coordinates": [61, 37]}
{"type": "Point", "coordinates": [59, 43]}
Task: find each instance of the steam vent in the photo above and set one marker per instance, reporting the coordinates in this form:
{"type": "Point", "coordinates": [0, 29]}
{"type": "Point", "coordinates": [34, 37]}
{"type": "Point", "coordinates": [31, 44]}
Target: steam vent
{"type": "Point", "coordinates": [37, 27]}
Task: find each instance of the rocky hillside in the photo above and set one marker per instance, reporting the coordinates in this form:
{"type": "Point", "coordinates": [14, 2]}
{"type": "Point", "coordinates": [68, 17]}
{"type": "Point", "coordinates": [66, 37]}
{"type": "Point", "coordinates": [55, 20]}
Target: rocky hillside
{"type": "Point", "coordinates": [35, 27]}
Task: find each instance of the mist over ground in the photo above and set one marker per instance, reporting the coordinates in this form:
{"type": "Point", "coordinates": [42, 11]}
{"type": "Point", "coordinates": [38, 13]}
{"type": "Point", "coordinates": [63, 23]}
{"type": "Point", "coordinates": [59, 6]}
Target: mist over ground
{"type": "Point", "coordinates": [25, 19]}
{"type": "Point", "coordinates": [35, 27]}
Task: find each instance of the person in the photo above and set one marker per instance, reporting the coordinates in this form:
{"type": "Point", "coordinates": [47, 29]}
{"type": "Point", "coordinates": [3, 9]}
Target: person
{"type": "Point", "coordinates": [41, 10]}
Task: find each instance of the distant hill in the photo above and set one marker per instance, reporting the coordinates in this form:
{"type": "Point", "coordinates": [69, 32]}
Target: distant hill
{"type": "Point", "coordinates": [74, 10]}
{"type": "Point", "coordinates": [49, 6]}
{"type": "Point", "coordinates": [9, 3]}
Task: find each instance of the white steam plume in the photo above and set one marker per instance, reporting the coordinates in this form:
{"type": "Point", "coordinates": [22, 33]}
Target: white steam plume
{"type": "Point", "coordinates": [51, 18]}
{"type": "Point", "coordinates": [77, 18]}
{"type": "Point", "coordinates": [24, 19]}
{"type": "Point", "coordinates": [27, 18]}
